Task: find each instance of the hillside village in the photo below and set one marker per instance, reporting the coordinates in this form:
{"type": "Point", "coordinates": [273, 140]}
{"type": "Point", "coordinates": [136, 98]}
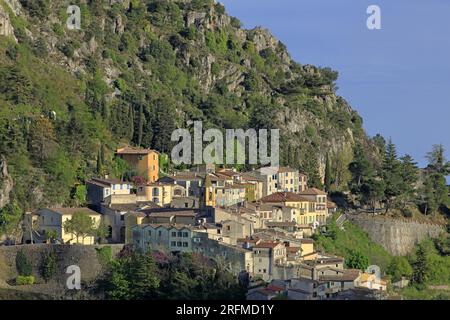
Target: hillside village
{"type": "Point", "coordinates": [138, 70]}
{"type": "Point", "coordinates": [258, 223]}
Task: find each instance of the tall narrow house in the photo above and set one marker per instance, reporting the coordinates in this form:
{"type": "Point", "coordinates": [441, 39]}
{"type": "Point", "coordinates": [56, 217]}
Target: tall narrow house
{"type": "Point", "coordinates": [144, 161]}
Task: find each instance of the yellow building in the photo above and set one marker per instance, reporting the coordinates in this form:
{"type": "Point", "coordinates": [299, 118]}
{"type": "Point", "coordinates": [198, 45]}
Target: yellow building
{"type": "Point", "coordinates": [158, 192]}
{"type": "Point", "coordinates": [144, 161]}
{"type": "Point", "coordinates": [46, 221]}
{"type": "Point", "coordinates": [305, 212]}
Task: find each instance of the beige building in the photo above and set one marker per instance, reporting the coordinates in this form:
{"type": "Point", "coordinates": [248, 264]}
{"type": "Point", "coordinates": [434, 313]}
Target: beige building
{"type": "Point", "coordinates": [266, 255]}
{"type": "Point", "coordinates": [297, 208]}
{"type": "Point", "coordinates": [46, 221]}
{"type": "Point", "coordinates": [107, 190]}
{"type": "Point", "coordinates": [158, 192]}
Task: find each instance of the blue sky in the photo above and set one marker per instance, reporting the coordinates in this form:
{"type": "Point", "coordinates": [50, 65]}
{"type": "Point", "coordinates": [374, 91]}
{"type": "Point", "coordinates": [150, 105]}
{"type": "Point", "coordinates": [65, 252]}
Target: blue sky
{"type": "Point", "coordinates": [397, 78]}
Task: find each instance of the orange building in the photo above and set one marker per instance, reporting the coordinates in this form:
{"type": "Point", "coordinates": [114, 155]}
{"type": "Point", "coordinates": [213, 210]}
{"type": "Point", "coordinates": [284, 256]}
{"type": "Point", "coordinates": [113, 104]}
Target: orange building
{"type": "Point", "coordinates": [144, 161]}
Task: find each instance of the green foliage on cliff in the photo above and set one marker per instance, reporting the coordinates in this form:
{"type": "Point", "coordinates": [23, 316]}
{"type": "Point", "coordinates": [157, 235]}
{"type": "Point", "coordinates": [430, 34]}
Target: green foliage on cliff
{"type": "Point", "coordinates": [132, 75]}
{"type": "Point", "coordinates": [157, 275]}
{"type": "Point", "coordinates": [354, 245]}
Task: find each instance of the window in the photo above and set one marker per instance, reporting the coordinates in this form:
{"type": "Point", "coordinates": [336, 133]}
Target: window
{"type": "Point", "coordinates": [150, 233]}
{"type": "Point", "coordinates": [159, 233]}
{"type": "Point", "coordinates": [122, 217]}
{"type": "Point", "coordinates": [185, 244]}
{"type": "Point", "coordinates": [174, 234]}
{"type": "Point", "coordinates": [179, 244]}
{"type": "Point", "coordinates": [264, 270]}
{"type": "Point", "coordinates": [185, 234]}
{"type": "Point", "coordinates": [180, 234]}
{"type": "Point", "coordinates": [114, 187]}
{"type": "Point", "coordinates": [121, 187]}
{"type": "Point", "coordinates": [173, 244]}
{"type": "Point", "coordinates": [186, 205]}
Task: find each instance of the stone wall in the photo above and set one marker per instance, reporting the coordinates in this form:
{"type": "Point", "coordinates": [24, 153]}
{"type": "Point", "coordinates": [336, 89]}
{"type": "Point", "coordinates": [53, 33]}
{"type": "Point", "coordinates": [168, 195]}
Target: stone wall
{"type": "Point", "coordinates": [398, 237]}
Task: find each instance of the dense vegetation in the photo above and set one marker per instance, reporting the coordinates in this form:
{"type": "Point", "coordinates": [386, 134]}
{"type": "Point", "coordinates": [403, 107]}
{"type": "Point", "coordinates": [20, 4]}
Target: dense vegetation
{"type": "Point", "coordinates": [427, 267]}
{"type": "Point", "coordinates": [158, 275]}
{"type": "Point", "coordinates": [133, 74]}
{"type": "Point", "coordinates": [354, 245]}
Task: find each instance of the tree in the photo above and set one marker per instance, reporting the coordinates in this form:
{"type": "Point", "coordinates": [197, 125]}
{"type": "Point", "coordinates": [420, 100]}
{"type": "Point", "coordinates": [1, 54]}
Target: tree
{"type": "Point", "coordinates": [328, 178]}
{"type": "Point", "coordinates": [357, 260]}
{"type": "Point", "coordinates": [372, 192]}
{"type": "Point", "coordinates": [10, 216]}
{"type": "Point", "coordinates": [427, 196]}
{"type": "Point", "coordinates": [48, 267]}
{"type": "Point", "coordinates": [102, 231]}
{"type": "Point", "coordinates": [421, 267]}
{"type": "Point", "coordinates": [434, 192]}
{"type": "Point", "coordinates": [81, 225]}
{"type": "Point", "coordinates": [163, 124]}
{"type": "Point", "coordinates": [144, 281]}
{"type": "Point", "coordinates": [23, 265]}
{"type": "Point", "coordinates": [398, 268]}
{"type": "Point", "coordinates": [51, 235]}
{"type": "Point", "coordinates": [437, 161]}
{"type": "Point", "coordinates": [120, 167]}
{"type": "Point", "coordinates": [100, 159]}
{"type": "Point", "coordinates": [42, 140]}
{"type": "Point", "coordinates": [409, 175]}
{"type": "Point", "coordinates": [391, 174]}
{"type": "Point", "coordinates": [117, 286]}
{"type": "Point", "coordinates": [361, 168]}
{"type": "Point", "coordinates": [16, 87]}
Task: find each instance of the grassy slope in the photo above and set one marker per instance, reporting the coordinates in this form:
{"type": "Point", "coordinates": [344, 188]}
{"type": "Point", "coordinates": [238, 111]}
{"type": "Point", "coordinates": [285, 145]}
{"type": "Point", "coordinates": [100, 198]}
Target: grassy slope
{"type": "Point", "coordinates": [352, 238]}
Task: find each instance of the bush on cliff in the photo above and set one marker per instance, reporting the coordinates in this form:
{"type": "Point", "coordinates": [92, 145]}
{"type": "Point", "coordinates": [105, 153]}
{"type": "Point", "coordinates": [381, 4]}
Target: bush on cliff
{"type": "Point", "coordinates": [24, 280]}
{"type": "Point", "coordinates": [23, 265]}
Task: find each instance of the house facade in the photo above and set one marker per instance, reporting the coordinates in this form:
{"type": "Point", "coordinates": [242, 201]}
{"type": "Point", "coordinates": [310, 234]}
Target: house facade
{"type": "Point", "coordinates": [144, 161]}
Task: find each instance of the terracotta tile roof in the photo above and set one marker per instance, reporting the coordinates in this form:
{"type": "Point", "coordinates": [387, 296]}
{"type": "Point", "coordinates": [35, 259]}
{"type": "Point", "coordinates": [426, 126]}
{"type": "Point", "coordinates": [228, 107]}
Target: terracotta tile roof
{"type": "Point", "coordinates": [71, 211]}
{"type": "Point", "coordinates": [347, 275]}
{"type": "Point", "coordinates": [281, 224]}
{"type": "Point", "coordinates": [134, 150]}
{"type": "Point", "coordinates": [274, 287]}
{"type": "Point", "coordinates": [313, 192]}
{"type": "Point", "coordinates": [286, 169]}
{"type": "Point", "coordinates": [284, 197]}
{"type": "Point", "coordinates": [105, 182]}
{"type": "Point", "coordinates": [267, 245]}
{"type": "Point", "coordinates": [168, 214]}
{"type": "Point", "coordinates": [331, 205]}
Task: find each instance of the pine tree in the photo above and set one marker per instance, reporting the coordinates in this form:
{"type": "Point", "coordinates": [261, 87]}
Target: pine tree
{"type": "Point", "coordinates": [391, 175]}
{"type": "Point", "coordinates": [140, 124]}
{"type": "Point", "coordinates": [421, 267]}
{"type": "Point", "coordinates": [328, 174]}
{"type": "Point", "coordinates": [409, 176]}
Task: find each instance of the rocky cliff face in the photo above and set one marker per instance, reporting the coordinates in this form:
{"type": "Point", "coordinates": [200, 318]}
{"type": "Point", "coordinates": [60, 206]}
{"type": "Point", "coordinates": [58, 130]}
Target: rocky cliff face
{"type": "Point", "coordinates": [6, 183]}
{"type": "Point", "coordinates": [398, 237]}
{"type": "Point", "coordinates": [6, 28]}
{"type": "Point", "coordinates": [138, 69]}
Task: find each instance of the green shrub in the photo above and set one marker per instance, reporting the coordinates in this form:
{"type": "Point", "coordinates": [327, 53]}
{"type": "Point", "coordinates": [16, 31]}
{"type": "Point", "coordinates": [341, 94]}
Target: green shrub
{"type": "Point", "coordinates": [104, 255]}
{"type": "Point", "coordinates": [48, 267]}
{"type": "Point", "coordinates": [24, 280]}
{"type": "Point", "coordinates": [23, 265]}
